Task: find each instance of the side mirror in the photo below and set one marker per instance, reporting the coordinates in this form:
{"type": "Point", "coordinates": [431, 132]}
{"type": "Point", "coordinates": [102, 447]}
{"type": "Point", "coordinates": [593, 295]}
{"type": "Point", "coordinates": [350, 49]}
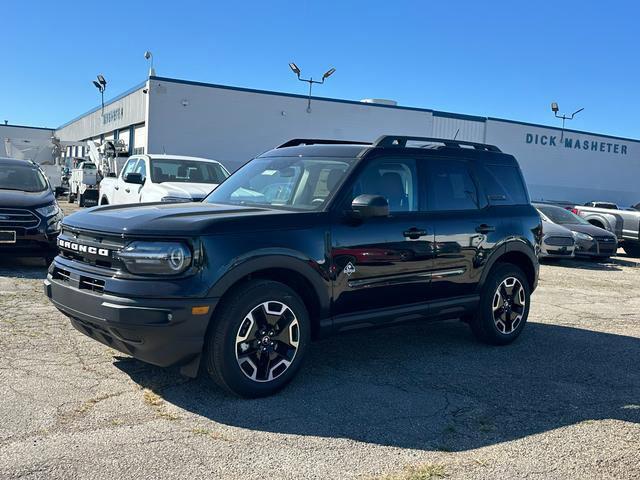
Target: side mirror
{"type": "Point", "coordinates": [134, 178]}
{"type": "Point", "coordinates": [111, 175]}
{"type": "Point", "coordinates": [369, 206]}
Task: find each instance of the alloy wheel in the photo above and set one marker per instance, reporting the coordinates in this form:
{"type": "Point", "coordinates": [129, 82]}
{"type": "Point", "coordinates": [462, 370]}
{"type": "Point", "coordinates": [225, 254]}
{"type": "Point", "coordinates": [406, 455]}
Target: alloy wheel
{"type": "Point", "coordinates": [267, 341]}
{"type": "Point", "coordinates": [508, 305]}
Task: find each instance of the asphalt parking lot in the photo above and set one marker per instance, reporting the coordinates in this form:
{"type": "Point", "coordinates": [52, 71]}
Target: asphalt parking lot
{"type": "Point", "coordinates": [426, 399]}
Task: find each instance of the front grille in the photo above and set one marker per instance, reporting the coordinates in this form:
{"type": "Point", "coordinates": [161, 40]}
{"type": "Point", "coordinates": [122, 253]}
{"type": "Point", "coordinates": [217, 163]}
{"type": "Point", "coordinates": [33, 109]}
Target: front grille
{"type": "Point", "coordinates": [84, 243]}
{"type": "Point", "coordinates": [606, 240]}
{"type": "Point", "coordinates": [560, 252]}
{"type": "Point", "coordinates": [93, 284]}
{"type": "Point", "coordinates": [559, 241]}
{"type": "Point", "coordinates": [61, 274]}
{"type": "Point", "coordinates": [17, 217]}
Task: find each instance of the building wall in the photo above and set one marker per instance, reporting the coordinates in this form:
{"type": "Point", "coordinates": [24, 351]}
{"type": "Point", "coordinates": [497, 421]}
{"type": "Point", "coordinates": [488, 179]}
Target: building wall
{"type": "Point", "coordinates": [555, 169]}
{"type": "Point", "coordinates": [29, 143]}
{"type": "Point", "coordinates": [471, 129]}
{"type": "Point", "coordinates": [125, 110]}
{"type": "Point", "coordinates": [233, 126]}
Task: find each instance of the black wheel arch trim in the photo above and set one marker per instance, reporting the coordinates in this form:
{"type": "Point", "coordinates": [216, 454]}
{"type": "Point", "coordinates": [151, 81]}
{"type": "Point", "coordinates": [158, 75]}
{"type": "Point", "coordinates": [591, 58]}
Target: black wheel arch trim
{"type": "Point", "coordinates": [281, 259]}
{"type": "Point", "coordinates": [520, 246]}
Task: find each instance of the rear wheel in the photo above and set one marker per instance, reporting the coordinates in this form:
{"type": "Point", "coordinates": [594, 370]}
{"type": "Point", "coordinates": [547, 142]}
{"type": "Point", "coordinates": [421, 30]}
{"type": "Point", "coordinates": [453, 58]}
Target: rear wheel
{"type": "Point", "coordinates": [72, 198]}
{"type": "Point", "coordinates": [632, 249]}
{"type": "Point", "coordinates": [504, 306]}
{"type": "Point", "coordinates": [258, 339]}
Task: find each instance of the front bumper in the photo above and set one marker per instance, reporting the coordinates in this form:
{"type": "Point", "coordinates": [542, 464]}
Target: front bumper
{"type": "Point", "coordinates": [30, 244]}
{"type": "Point", "coordinates": [162, 332]}
{"type": "Point", "coordinates": [596, 248]}
{"type": "Point", "coordinates": [550, 251]}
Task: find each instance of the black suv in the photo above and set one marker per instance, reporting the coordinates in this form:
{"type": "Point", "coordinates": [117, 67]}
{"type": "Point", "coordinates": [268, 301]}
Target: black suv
{"type": "Point", "coordinates": [311, 238]}
{"type": "Point", "coordinates": [29, 214]}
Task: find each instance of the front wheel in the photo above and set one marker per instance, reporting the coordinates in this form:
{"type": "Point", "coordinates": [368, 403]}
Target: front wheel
{"type": "Point", "coordinates": [504, 306]}
{"type": "Point", "coordinates": [258, 339]}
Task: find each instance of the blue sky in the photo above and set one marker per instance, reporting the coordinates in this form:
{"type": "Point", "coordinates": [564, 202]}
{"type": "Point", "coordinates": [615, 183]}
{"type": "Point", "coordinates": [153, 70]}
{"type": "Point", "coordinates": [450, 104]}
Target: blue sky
{"type": "Point", "coordinates": [504, 59]}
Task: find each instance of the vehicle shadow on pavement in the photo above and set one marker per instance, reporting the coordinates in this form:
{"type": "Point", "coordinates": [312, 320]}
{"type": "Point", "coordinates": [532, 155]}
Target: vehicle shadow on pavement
{"type": "Point", "coordinates": [431, 387]}
{"type": "Point", "coordinates": [22, 267]}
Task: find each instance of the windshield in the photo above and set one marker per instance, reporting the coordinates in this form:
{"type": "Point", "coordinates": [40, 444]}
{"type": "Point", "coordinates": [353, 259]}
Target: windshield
{"type": "Point", "coordinates": [24, 178]}
{"type": "Point", "coordinates": [186, 171]}
{"type": "Point", "coordinates": [292, 182]}
{"type": "Point", "coordinates": [561, 216]}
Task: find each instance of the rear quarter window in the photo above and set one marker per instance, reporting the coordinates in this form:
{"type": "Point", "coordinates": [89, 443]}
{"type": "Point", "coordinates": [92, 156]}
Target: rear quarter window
{"type": "Point", "coordinates": [503, 185]}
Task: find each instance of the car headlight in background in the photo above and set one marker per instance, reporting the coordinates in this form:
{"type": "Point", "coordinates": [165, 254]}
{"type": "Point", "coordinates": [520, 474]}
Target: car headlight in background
{"type": "Point", "coordinates": [49, 210]}
{"type": "Point", "coordinates": [156, 258]}
{"type": "Point", "coordinates": [582, 236]}
{"type": "Point", "coordinates": [171, 199]}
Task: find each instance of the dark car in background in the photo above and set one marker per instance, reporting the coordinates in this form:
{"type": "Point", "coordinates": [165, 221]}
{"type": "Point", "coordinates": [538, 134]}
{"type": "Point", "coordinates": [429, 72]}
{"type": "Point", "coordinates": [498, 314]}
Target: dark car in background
{"type": "Point", "coordinates": [29, 214]}
{"type": "Point", "coordinates": [590, 241]}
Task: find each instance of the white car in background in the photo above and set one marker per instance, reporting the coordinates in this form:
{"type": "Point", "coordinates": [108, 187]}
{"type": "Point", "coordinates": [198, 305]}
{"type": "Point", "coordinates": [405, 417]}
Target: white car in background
{"type": "Point", "coordinates": [162, 178]}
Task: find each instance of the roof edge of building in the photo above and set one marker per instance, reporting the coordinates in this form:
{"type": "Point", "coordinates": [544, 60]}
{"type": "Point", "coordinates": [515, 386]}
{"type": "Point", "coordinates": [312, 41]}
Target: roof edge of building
{"type": "Point", "coordinates": [106, 104]}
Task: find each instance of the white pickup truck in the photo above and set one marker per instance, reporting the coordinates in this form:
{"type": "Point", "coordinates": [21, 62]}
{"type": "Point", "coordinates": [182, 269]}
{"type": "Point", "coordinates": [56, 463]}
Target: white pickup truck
{"type": "Point", "coordinates": [162, 178]}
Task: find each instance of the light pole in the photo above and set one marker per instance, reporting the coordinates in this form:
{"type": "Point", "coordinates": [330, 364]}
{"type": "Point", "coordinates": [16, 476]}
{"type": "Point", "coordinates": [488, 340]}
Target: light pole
{"type": "Point", "coordinates": [555, 110]}
{"type": "Point", "coordinates": [310, 80]}
{"type": "Point", "coordinates": [149, 56]}
{"type": "Point", "coordinates": [101, 85]}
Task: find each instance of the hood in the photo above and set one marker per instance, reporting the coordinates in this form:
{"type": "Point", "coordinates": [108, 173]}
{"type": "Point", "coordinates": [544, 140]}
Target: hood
{"type": "Point", "coordinates": [193, 190]}
{"type": "Point", "coordinates": [550, 228]}
{"type": "Point", "coordinates": [20, 199]}
{"type": "Point", "coordinates": [179, 219]}
{"type": "Point", "coordinates": [589, 230]}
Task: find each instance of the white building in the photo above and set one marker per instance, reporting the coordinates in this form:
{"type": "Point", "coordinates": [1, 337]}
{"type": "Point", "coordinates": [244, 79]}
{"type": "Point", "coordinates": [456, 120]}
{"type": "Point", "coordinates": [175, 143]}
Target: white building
{"type": "Point", "coordinates": [233, 125]}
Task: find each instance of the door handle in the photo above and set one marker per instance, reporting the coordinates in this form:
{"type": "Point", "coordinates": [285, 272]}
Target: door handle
{"type": "Point", "coordinates": [484, 228]}
{"type": "Point", "coordinates": [127, 190]}
{"type": "Point", "coordinates": [116, 188]}
{"type": "Point", "coordinates": [414, 233]}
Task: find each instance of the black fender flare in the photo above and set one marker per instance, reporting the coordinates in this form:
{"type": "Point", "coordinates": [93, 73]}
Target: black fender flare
{"type": "Point", "coordinates": [510, 246]}
{"type": "Point", "coordinates": [276, 258]}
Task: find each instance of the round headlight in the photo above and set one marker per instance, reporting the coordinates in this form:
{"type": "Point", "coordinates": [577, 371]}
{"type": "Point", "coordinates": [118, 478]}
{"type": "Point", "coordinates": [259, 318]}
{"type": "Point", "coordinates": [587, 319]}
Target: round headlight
{"type": "Point", "coordinates": [176, 258]}
{"type": "Point", "coordinates": [156, 258]}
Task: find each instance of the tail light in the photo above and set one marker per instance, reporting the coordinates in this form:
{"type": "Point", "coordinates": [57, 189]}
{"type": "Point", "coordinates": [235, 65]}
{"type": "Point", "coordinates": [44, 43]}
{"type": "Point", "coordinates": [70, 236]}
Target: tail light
{"type": "Point", "coordinates": [575, 211]}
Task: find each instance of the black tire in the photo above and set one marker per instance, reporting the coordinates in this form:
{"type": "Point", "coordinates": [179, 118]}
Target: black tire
{"type": "Point", "coordinates": [71, 198]}
{"type": "Point", "coordinates": [81, 200]}
{"type": "Point", "coordinates": [502, 331]}
{"type": "Point", "coordinates": [231, 321]}
{"type": "Point", "coordinates": [632, 249]}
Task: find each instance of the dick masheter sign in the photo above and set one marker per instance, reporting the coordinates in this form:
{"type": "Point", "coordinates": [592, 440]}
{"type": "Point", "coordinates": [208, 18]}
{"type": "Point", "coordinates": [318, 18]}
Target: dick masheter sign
{"type": "Point", "coordinates": [576, 144]}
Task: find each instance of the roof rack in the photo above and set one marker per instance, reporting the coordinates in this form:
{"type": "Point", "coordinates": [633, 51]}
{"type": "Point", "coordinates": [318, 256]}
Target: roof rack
{"type": "Point", "coordinates": [401, 141]}
{"type": "Point", "coordinates": [319, 141]}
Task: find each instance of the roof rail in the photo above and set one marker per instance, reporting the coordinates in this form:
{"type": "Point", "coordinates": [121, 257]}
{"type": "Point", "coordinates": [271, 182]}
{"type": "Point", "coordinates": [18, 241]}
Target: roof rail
{"type": "Point", "coordinates": [401, 141]}
{"type": "Point", "coordinates": [319, 141]}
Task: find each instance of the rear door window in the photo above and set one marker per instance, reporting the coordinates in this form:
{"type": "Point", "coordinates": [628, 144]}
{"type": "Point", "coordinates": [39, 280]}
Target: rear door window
{"type": "Point", "coordinates": [503, 185]}
{"type": "Point", "coordinates": [450, 186]}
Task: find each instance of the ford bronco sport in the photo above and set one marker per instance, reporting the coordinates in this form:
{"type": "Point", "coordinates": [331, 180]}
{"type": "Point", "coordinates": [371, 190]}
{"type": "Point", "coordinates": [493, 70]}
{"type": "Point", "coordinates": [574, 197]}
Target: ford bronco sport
{"type": "Point", "coordinates": [311, 238]}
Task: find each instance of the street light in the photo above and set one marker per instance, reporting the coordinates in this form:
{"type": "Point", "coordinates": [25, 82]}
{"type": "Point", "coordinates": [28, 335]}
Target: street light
{"type": "Point", "coordinates": [149, 56]}
{"type": "Point", "coordinates": [101, 85]}
{"type": "Point", "coordinates": [555, 110]}
{"type": "Point", "coordinates": [294, 68]}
